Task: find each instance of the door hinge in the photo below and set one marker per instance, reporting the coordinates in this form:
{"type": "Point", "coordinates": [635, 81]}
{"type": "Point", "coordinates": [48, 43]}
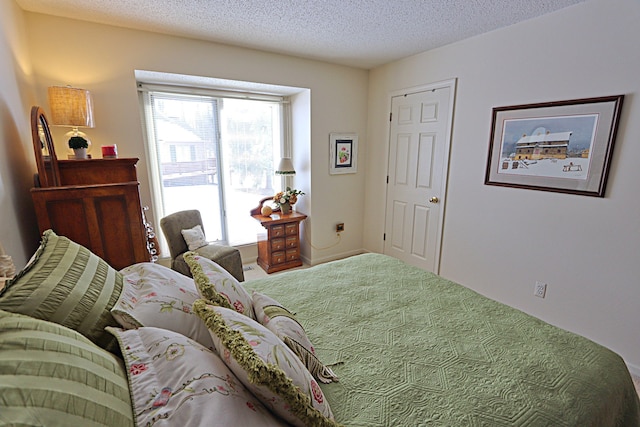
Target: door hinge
{"type": "Point", "coordinates": [387, 179]}
{"type": "Point", "coordinates": [390, 116]}
{"type": "Point", "coordinates": [384, 236]}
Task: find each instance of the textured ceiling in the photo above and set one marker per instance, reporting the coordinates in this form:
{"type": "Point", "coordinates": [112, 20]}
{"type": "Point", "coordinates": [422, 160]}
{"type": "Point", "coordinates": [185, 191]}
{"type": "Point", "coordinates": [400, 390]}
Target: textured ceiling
{"type": "Point", "coordinates": [359, 33]}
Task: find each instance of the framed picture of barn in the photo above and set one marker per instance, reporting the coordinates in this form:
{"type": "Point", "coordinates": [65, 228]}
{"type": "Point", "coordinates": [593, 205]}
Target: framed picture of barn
{"type": "Point", "coordinates": [561, 146]}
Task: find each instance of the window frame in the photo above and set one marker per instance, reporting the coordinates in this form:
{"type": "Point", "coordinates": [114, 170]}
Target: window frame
{"type": "Point", "coordinates": [155, 181]}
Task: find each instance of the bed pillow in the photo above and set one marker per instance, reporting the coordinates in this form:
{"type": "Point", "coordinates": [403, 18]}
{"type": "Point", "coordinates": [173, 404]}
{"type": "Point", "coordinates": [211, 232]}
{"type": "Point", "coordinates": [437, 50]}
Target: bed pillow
{"type": "Point", "coordinates": [175, 381]}
{"type": "Point", "coordinates": [266, 366]}
{"type": "Point", "coordinates": [194, 238]}
{"type": "Point", "coordinates": [66, 283]}
{"type": "Point", "coordinates": [218, 286]}
{"type": "Point", "coordinates": [155, 295]}
{"type": "Point", "coordinates": [283, 323]}
{"type": "Point", "coordinates": [53, 376]}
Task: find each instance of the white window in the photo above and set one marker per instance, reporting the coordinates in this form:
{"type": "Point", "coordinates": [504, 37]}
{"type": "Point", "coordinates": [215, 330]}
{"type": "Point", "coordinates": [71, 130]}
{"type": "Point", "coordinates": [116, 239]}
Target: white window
{"type": "Point", "coordinates": [215, 153]}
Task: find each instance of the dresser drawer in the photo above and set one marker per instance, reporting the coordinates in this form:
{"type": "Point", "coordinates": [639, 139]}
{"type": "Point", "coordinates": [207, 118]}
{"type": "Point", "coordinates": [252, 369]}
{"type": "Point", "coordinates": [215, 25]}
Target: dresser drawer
{"type": "Point", "coordinates": [278, 244]}
{"type": "Point", "coordinates": [291, 242]}
{"type": "Point", "coordinates": [276, 231]}
{"type": "Point", "coordinates": [278, 257]}
{"type": "Point", "coordinates": [291, 229]}
{"type": "Point", "coordinates": [292, 254]}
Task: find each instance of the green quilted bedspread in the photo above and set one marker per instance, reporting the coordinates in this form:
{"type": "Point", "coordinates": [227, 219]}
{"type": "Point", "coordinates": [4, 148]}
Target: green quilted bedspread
{"type": "Point", "coordinates": [413, 349]}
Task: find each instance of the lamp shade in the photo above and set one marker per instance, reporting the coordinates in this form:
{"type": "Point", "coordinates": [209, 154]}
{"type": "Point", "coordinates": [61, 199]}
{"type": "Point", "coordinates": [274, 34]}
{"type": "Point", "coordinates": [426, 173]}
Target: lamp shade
{"type": "Point", "coordinates": [70, 107]}
{"type": "Point", "coordinates": [285, 167]}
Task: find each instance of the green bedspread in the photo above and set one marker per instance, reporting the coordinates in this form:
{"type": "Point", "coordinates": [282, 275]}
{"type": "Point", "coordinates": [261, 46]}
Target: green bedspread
{"type": "Point", "coordinates": [414, 349]}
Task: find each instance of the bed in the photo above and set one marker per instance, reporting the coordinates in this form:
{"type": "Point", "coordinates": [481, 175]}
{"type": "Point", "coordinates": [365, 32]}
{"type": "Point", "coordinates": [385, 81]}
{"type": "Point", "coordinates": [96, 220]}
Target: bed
{"type": "Point", "coordinates": [411, 348]}
{"type": "Point", "coordinates": [392, 345]}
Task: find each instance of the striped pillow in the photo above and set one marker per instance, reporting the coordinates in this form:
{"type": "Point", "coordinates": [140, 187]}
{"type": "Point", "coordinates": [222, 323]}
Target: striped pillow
{"type": "Point", "coordinates": [65, 283]}
{"type": "Point", "coordinates": [53, 376]}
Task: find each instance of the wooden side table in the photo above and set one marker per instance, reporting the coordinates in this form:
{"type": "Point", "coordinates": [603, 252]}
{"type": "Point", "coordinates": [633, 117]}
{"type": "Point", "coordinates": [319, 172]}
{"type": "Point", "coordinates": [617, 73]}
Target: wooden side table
{"type": "Point", "coordinates": [280, 248]}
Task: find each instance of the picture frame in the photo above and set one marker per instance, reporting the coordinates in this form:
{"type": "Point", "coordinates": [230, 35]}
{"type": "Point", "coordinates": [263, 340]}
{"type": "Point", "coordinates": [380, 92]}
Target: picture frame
{"type": "Point", "coordinates": [561, 146]}
{"type": "Point", "coordinates": [343, 153]}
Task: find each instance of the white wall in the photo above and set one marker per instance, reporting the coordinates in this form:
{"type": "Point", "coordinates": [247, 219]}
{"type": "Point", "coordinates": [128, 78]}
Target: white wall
{"type": "Point", "coordinates": [589, 248]}
{"type": "Point", "coordinates": [18, 229]}
{"type": "Point", "coordinates": [591, 254]}
{"type": "Point", "coordinates": [103, 58]}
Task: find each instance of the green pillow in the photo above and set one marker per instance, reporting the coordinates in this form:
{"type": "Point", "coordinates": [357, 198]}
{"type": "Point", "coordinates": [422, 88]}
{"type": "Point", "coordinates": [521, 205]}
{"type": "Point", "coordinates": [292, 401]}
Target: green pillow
{"type": "Point", "coordinates": [65, 283]}
{"type": "Point", "coordinates": [218, 286]}
{"type": "Point", "coordinates": [53, 376]}
{"type": "Point", "coordinates": [266, 367]}
{"type": "Point", "coordinates": [272, 315]}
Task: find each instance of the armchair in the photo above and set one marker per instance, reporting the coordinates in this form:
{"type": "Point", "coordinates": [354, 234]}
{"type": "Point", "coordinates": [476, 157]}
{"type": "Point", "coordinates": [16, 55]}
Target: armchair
{"type": "Point", "coordinates": [226, 256]}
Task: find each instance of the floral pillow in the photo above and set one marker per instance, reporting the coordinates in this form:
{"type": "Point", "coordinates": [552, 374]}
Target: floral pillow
{"type": "Point", "coordinates": [194, 237]}
{"type": "Point", "coordinates": [283, 323]}
{"type": "Point", "coordinates": [218, 286]}
{"type": "Point", "coordinates": [266, 366]}
{"type": "Point", "coordinates": [155, 295]}
{"type": "Point", "coordinates": [175, 381]}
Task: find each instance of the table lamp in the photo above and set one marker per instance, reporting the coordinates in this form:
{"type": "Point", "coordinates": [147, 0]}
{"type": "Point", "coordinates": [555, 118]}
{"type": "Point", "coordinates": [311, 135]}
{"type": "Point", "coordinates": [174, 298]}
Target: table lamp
{"type": "Point", "coordinates": [72, 107]}
{"type": "Point", "coordinates": [285, 167]}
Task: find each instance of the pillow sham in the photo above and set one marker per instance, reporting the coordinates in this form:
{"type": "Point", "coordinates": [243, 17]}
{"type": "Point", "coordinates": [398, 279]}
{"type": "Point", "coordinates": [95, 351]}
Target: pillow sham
{"type": "Point", "coordinates": [155, 295]}
{"type": "Point", "coordinates": [175, 381]}
{"type": "Point", "coordinates": [66, 283]}
{"type": "Point", "coordinates": [194, 237]}
{"type": "Point", "coordinates": [54, 376]}
{"type": "Point", "coordinates": [283, 323]}
{"type": "Point", "coordinates": [218, 286]}
{"type": "Point", "coordinates": [266, 366]}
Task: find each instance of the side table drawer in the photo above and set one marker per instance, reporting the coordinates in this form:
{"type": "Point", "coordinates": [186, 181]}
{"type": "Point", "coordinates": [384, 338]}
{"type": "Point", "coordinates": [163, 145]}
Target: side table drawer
{"type": "Point", "coordinates": [276, 231]}
{"type": "Point", "coordinates": [293, 254]}
{"type": "Point", "coordinates": [291, 242]}
{"type": "Point", "coordinates": [291, 229]}
{"type": "Point", "coordinates": [278, 244]}
{"type": "Point", "coordinates": [278, 257]}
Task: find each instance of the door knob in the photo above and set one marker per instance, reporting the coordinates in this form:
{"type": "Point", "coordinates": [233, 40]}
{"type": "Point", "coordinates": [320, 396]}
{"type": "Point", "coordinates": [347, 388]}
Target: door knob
{"type": "Point", "coordinates": [434, 199]}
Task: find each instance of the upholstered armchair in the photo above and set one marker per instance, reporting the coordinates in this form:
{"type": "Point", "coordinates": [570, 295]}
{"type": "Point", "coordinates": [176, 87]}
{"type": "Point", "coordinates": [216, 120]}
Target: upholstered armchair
{"type": "Point", "coordinates": [172, 226]}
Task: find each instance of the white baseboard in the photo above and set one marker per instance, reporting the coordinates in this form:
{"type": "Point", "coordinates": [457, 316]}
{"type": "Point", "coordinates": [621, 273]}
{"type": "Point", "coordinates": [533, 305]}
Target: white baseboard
{"type": "Point", "coordinates": [332, 257]}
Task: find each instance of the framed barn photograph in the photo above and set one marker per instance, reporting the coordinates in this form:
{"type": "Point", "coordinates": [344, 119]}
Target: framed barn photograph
{"type": "Point", "coordinates": [343, 153]}
{"type": "Point", "coordinates": [562, 146]}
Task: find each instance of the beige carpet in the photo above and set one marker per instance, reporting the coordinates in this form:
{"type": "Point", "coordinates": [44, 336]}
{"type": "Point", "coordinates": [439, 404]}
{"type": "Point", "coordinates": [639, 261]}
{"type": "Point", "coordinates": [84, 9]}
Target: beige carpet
{"type": "Point", "coordinates": [254, 271]}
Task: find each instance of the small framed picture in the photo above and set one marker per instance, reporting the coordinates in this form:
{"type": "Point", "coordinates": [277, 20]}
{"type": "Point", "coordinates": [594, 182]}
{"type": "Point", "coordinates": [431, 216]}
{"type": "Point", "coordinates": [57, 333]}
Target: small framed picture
{"type": "Point", "coordinates": [343, 153]}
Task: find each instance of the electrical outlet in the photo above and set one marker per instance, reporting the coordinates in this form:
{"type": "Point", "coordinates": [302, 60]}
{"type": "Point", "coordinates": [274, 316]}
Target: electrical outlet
{"type": "Point", "coordinates": [540, 290]}
{"type": "Point", "coordinates": [339, 227]}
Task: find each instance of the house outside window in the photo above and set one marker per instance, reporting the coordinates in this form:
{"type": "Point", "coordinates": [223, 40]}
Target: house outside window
{"type": "Point", "coordinates": [213, 153]}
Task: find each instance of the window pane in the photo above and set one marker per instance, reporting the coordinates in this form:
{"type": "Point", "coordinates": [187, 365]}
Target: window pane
{"type": "Point", "coordinates": [251, 143]}
{"type": "Point", "coordinates": [185, 129]}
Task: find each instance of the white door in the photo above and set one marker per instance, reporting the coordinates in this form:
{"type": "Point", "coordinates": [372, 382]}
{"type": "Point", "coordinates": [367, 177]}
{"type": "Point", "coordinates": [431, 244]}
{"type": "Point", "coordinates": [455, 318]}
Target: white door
{"type": "Point", "coordinates": [418, 158]}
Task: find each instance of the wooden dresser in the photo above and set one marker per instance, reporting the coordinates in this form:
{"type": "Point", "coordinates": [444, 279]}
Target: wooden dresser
{"type": "Point", "coordinates": [279, 249]}
{"type": "Point", "coordinates": [98, 206]}
{"type": "Point", "coordinates": [95, 171]}
{"type": "Point", "coordinates": [95, 203]}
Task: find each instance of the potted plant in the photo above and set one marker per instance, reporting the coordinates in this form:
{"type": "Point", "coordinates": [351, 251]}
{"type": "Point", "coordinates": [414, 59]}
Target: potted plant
{"type": "Point", "coordinates": [285, 199]}
{"type": "Point", "coordinates": [79, 146]}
